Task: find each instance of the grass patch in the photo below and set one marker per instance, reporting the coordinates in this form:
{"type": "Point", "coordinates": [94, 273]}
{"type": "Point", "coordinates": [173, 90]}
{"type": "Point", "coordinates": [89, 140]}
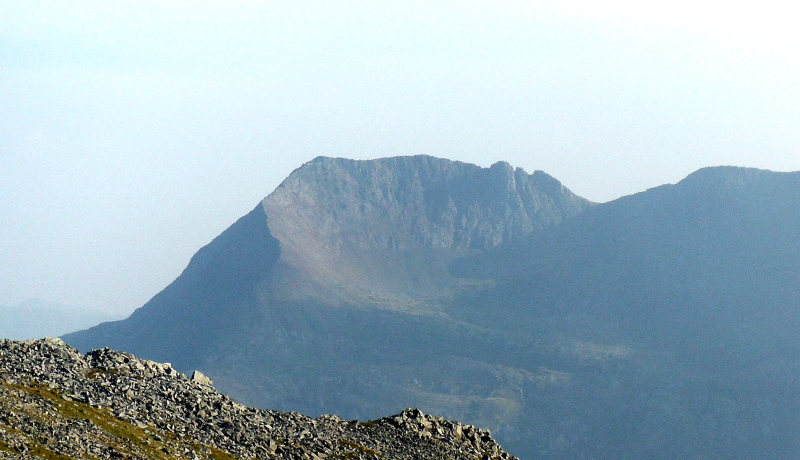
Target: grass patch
{"type": "Point", "coordinates": [360, 448]}
{"type": "Point", "coordinates": [345, 456]}
{"type": "Point", "coordinates": [47, 454]}
{"type": "Point", "coordinates": [126, 438]}
{"type": "Point", "coordinates": [212, 452]}
{"type": "Point", "coordinates": [5, 447]}
{"type": "Point", "coordinates": [33, 449]}
{"type": "Point", "coordinates": [123, 437]}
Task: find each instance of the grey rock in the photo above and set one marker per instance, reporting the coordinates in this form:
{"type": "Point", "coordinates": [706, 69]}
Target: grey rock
{"type": "Point", "coordinates": [56, 403]}
{"type": "Point", "coordinates": [199, 377]}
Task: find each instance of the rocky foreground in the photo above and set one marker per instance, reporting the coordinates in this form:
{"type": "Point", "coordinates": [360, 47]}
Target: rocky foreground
{"type": "Point", "coordinates": [57, 403]}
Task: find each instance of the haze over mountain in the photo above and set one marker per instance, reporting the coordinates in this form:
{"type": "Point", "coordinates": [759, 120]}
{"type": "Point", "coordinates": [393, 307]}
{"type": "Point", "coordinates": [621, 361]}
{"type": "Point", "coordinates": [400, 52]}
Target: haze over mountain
{"type": "Point", "coordinates": [362, 234]}
{"type": "Point", "coordinates": [37, 318]}
{"type": "Point", "coordinates": [659, 325]}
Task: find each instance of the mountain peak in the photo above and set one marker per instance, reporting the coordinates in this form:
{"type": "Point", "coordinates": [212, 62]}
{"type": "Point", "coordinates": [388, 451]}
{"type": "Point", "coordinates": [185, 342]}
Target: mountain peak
{"type": "Point", "coordinates": [501, 165]}
{"type": "Point", "coordinates": [359, 287]}
{"type": "Point", "coordinates": [729, 176]}
{"type": "Point", "coordinates": [342, 249]}
{"type": "Point", "coordinates": [416, 200]}
{"type": "Point", "coordinates": [355, 227]}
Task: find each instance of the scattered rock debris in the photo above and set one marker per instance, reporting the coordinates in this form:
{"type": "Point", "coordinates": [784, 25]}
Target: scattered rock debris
{"type": "Point", "coordinates": [56, 403]}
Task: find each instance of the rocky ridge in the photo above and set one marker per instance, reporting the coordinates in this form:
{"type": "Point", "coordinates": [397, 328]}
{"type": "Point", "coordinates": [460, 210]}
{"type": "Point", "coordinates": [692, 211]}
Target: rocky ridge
{"type": "Point", "coordinates": [383, 232]}
{"type": "Point", "coordinates": [58, 403]}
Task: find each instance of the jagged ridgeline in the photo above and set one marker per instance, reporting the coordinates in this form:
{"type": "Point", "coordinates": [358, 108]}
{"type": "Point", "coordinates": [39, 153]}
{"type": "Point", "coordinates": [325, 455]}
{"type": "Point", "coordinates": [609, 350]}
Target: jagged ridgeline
{"type": "Point", "coordinates": [357, 235]}
{"type": "Point", "coordinates": [56, 403]}
{"type": "Point", "coordinates": [659, 325]}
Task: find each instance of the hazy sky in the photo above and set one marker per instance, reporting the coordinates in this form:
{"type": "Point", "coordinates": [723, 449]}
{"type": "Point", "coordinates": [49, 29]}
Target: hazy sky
{"type": "Point", "coordinates": [132, 133]}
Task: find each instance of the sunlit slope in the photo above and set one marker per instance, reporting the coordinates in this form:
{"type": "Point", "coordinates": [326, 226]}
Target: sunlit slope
{"type": "Point", "coordinates": [383, 232]}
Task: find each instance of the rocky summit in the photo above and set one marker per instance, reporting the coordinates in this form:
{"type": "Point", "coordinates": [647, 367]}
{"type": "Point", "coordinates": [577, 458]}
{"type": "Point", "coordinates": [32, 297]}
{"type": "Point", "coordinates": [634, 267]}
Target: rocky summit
{"type": "Point", "coordinates": [57, 403]}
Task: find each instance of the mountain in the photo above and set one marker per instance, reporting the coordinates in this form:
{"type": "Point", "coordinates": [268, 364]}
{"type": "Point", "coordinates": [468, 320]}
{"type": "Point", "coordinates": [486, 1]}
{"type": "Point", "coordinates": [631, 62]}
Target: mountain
{"type": "Point", "coordinates": [675, 311]}
{"type": "Point", "coordinates": [715, 257]}
{"type": "Point", "coordinates": [659, 325]}
{"type": "Point", "coordinates": [37, 318]}
{"type": "Point", "coordinates": [58, 404]}
{"type": "Point", "coordinates": [329, 296]}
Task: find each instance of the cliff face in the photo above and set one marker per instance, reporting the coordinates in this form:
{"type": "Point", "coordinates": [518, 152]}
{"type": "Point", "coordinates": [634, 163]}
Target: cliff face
{"type": "Point", "coordinates": [409, 202]}
{"type": "Point", "coordinates": [383, 231]}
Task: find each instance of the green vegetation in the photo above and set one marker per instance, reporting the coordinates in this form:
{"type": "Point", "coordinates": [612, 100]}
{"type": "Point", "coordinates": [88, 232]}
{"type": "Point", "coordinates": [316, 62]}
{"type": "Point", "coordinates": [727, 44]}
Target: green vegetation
{"type": "Point", "coordinates": [212, 452]}
{"type": "Point", "coordinates": [37, 451]}
{"type": "Point", "coordinates": [360, 448]}
{"type": "Point", "coordinates": [5, 447]}
{"type": "Point", "coordinates": [47, 454]}
{"type": "Point", "coordinates": [33, 447]}
{"type": "Point", "coordinates": [123, 437]}
{"type": "Point", "coordinates": [345, 456]}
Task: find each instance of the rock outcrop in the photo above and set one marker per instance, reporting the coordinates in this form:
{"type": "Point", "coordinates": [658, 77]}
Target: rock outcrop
{"type": "Point", "coordinates": [382, 232]}
{"type": "Point", "coordinates": [58, 403]}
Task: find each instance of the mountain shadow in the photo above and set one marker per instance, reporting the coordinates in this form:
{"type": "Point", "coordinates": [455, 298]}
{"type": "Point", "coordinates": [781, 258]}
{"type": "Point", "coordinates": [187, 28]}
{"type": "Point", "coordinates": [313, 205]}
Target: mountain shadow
{"type": "Point", "coordinates": [203, 305]}
{"type": "Point", "coordinates": [697, 283]}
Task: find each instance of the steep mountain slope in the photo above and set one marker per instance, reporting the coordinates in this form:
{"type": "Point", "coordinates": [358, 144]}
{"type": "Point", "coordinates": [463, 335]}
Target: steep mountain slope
{"type": "Point", "coordinates": [721, 249]}
{"type": "Point", "coordinates": [330, 295]}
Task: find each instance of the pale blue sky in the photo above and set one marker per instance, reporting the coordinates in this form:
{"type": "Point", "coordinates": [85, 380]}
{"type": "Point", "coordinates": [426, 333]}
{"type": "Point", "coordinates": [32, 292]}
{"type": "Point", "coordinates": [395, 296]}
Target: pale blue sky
{"type": "Point", "coordinates": [132, 133]}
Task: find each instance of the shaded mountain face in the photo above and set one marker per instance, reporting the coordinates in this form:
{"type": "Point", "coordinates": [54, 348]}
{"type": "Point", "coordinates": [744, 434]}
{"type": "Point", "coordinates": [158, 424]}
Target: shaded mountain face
{"type": "Point", "coordinates": [204, 306]}
{"type": "Point", "coordinates": [714, 259]}
{"type": "Point", "coordinates": [660, 325]}
{"type": "Point", "coordinates": [688, 295]}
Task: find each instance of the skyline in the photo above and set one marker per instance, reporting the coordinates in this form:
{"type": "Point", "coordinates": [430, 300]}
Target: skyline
{"type": "Point", "coordinates": [135, 133]}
